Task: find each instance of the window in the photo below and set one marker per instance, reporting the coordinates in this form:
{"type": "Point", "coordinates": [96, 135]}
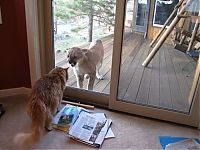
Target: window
{"type": "Point", "coordinates": [162, 10]}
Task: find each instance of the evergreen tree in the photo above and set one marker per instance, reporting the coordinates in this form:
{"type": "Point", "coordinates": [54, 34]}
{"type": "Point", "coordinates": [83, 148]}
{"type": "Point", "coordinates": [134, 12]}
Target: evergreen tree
{"type": "Point", "coordinates": [102, 11]}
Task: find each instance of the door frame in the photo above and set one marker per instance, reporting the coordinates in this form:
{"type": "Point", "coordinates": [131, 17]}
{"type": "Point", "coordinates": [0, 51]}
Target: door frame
{"type": "Point", "coordinates": [39, 36]}
{"type": "Point", "coordinates": [191, 119]}
{"type": "Point", "coordinates": [38, 26]}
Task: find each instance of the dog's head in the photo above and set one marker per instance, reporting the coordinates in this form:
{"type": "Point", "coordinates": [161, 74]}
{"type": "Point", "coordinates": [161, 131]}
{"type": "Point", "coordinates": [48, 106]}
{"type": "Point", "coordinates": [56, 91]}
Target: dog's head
{"type": "Point", "coordinates": [75, 55]}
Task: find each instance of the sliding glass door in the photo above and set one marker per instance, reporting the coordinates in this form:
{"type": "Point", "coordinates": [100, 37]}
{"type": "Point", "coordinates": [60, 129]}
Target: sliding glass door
{"type": "Point", "coordinates": [166, 89]}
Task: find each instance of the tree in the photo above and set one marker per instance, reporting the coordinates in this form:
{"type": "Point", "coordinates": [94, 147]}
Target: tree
{"type": "Point", "coordinates": [99, 10]}
{"type": "Point", "coordinates": [61, 12]}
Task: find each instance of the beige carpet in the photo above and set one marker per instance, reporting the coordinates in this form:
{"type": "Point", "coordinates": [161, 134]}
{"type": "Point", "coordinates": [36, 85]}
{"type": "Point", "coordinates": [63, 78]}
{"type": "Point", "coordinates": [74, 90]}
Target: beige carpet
{"type": "Point", "coordinates": [132, 132]}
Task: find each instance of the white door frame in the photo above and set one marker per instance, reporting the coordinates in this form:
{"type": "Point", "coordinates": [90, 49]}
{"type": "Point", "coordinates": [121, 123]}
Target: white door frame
{"type": "Point", "coordinates": [31, 12]}
{"type": "Point", "coordinates": [38, 24]}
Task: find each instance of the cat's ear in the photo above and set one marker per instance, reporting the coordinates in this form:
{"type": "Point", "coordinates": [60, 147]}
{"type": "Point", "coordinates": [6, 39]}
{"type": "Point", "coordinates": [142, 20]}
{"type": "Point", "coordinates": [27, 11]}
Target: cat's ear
{"type": "Point", "coordinates": [66, 69]}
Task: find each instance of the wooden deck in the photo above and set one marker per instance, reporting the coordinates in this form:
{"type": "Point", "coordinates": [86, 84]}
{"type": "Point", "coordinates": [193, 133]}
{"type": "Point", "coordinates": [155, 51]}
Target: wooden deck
{"type": "Point", "coordinates": [163, 83]}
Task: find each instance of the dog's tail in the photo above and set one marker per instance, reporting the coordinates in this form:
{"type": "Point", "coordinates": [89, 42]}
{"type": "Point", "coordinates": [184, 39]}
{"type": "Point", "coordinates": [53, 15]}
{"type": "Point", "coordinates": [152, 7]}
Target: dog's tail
{"type": "Point", "coordinates": [27, 139]}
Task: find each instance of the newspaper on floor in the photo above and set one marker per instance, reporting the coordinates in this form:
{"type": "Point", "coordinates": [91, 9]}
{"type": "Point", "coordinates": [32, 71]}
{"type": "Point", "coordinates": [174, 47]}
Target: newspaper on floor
{"type": "Point", "coordinates": [90, 128]}
{"type": "Point", "coordinates": [109, 134]}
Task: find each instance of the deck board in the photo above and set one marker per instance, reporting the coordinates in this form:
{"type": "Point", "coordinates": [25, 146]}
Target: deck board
{"type": "Point", "coordinates": [176, 96]}
{"type": "Point", "coordinates": [187, 65]}
{"type": "Point", "coordinates": [154, 89]}
{"type": "Point", "coordinates": [134, 85]}
{"type": "Point", "coordinates": [165, 94]}
{"type": "Point", "coordinates": [143, 93]}
{"type": "Point", "coordinates": [181, 78]}
{"type": "Point", "coordinates": [126, 76]}
{"type": "Point", "coordinates": [163, 83]}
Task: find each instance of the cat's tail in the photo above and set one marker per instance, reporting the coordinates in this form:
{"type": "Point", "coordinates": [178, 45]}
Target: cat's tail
{"type": "Point", "coordinates": [27, 139]}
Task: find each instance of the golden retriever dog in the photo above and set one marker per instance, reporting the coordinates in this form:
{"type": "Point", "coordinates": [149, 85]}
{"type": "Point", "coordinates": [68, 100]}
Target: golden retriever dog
{"type": "Point", "coordinates": [87, 62]}
{"type": "Point", "coordinates": [44, 100]}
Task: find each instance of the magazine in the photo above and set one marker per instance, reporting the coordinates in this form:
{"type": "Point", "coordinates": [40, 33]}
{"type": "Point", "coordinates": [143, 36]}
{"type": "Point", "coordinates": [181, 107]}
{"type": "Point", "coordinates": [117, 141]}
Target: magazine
{"type": "Point", "coordinates": [188, 144]}
{"type": "Point", "coordinates": [66, 117]}
{"type": "Point", "coordinates": [90, 128]}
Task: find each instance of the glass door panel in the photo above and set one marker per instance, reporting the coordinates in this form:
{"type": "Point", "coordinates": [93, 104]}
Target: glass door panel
{"type": "Point", "coordinates": [163, 89]}
{"type": "Point", "coordinates": [166, 83]}
{"type": "Point", "coordinates": [78, 23]}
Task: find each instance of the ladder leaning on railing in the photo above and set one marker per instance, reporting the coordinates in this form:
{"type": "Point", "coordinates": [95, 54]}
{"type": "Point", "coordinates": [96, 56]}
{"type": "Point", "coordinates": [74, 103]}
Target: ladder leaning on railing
{"type": "Point", "coordinates": [161, 40]}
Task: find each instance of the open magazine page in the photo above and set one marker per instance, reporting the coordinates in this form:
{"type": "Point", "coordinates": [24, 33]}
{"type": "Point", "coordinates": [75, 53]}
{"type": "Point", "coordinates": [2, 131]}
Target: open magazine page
{"type": "Point", "coordinates": [105, 129]}
{"type": "Point", "coordinates": [99, 140]}
{"type": "Point", "coordinates": [57, 116]}
{"type": "Point", "coordinates": [66, 117]}
{"type": "Point", "coordinates": [87, 127]}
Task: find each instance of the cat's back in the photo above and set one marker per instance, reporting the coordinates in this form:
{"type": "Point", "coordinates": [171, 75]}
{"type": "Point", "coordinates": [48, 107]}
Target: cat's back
{"type": "Point", "coordinates": [47, 84]}
{"type": "Point", "coordinates": [46, 92]}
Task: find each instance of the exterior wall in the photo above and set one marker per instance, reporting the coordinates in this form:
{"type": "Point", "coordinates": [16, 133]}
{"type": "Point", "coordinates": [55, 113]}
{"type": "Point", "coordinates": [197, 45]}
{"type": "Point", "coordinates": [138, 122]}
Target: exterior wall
{"type": "Point", "coordinates": [13, 45]}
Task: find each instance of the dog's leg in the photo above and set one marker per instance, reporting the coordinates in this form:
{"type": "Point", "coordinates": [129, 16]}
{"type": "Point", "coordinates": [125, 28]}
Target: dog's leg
{"type": "Point", "coordinates": [100, 77]}
{"type": "Point", "coordinates": [77, 78]}
{"type": "Point", "coordinates": [80, 81]}
{"type": "Point", "coordinates": [91, 81]}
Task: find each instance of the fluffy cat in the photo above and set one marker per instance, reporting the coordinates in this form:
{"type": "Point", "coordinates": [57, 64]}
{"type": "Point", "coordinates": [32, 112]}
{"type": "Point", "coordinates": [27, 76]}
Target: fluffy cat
{"type": "Point", "coordinates": [43, 103]}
